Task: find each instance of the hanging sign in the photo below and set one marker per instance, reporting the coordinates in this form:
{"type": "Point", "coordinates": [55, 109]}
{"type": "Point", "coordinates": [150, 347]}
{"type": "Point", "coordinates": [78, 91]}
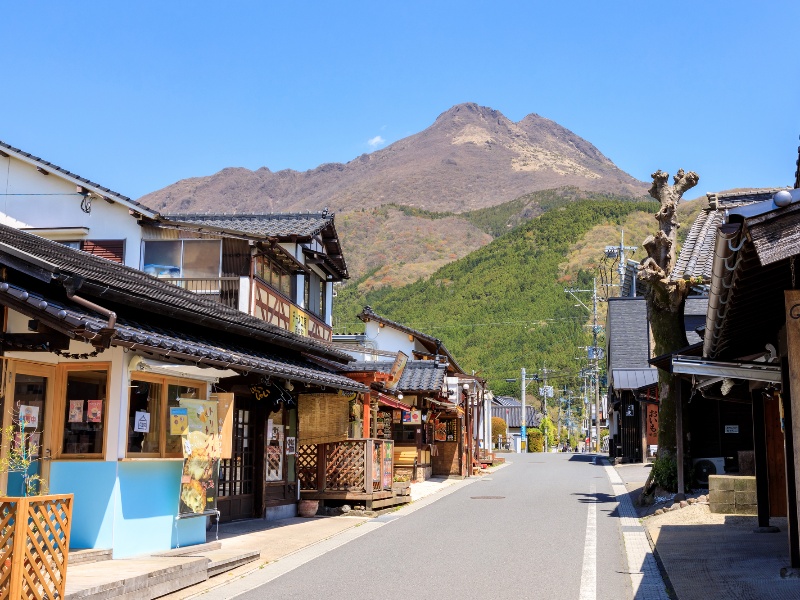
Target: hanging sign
{"type": "Point", "coordinates": [397, 370]}
{"type": "Point", "coordinates": [75, 411]}
{"type": "Point", "coordinates": [29, 416]}
{"type": "Point", "coordinates": [94, 411]}
{"type": "Point", "coordinates": [141, 422]}
{"type": "Point", "coordinates": [178, 420]}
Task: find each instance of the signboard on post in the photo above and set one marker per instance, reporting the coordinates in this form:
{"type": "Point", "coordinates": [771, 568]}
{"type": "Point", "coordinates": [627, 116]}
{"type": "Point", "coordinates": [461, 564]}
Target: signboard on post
{"type": "Point", "coordinates": [201, 452]}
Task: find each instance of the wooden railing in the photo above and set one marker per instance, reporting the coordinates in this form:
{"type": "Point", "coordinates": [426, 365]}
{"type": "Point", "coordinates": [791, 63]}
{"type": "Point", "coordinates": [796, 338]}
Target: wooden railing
{"type": "Point", "coordinates": [34, 546]}
{"type": "Point", "coordinates": [356, 466]}
{"type": "Point", "coordinates": [224, 290]}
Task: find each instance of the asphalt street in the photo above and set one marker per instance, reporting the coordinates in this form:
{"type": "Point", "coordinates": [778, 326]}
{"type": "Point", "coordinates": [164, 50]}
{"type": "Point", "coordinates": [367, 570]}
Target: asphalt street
{"type": "Point", "coordinates": [545, 526]}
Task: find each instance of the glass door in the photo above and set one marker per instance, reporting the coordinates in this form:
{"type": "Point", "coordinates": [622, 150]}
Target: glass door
{"type": "Point", "coordinates": [26, 425]}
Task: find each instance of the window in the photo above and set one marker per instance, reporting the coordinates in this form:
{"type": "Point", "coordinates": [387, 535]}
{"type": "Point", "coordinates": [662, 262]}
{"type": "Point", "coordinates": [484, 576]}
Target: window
{"type": "Point", "coordinates": [273, 275]}
{"type": "Point", "coordinates": [111, 249]}
{"type": "Point", "coordinates": [185, 259]}
{"type": "Point", "coordinates": [150, 400]}
{"type": "Point", "coordinates": [85, 411]}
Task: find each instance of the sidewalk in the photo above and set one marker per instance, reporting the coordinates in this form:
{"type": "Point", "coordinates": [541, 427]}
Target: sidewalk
{"type": "Point", "coordinates": [260, 543]}
{"type": "Point", "coordinates": [707, 555]}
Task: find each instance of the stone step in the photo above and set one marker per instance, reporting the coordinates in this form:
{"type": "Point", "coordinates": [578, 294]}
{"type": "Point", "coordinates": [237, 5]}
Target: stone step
{"type": "Point", "coordinates": [134, 579]}
{"type": "Point", "coordinates": [221, 561]}
{"type": "Point", "coordinates": [89, 555]}
{"type": "Point", "coordinates": [194, 550]}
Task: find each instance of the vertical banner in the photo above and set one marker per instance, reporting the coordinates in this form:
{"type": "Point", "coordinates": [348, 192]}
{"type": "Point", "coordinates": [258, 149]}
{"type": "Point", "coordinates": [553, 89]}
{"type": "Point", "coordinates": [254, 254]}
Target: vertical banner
{"type": "Point", "coordinates": [652, 424]}
{"type": "Point", "coordinates": [201, 453]}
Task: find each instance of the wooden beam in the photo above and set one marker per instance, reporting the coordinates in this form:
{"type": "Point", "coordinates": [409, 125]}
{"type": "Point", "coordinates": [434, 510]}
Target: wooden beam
{"type": "Point", "coordinates": [42, 171]}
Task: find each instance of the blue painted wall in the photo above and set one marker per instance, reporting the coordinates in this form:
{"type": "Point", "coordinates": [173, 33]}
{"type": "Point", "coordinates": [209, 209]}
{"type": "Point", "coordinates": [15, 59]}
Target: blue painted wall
{"type": "Point", "coordinates": [147, 507]}
{"type": "Point", "coordinates": [127, 506]}
{"type": "Point", "coordinates": [94, 484]}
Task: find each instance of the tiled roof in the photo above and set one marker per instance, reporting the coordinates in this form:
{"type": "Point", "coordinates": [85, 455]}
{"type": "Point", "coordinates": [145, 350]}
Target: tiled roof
{"type": "Point", "coordinates": [633, 379]}
{"type": "Point", "coordinates": [434, 345]}
{"type": "Point", "coordinates": [506, 401]}
{"type": "Point", "coordinates": [104, 279]}
{"type": "Point", "coordinates": [512, 415]}
{"type": "Point", "coordinates": [418, 375]}
{"type": "Point", "coordinates": [48, 166]}
{"type": "Point", "coordinates": [628, 335]}
{"type": "Point", "coordinates": [697, 253]}
{"type": "Point", "coordinates": [264, 225]}
{"type": "Point", "coordinates": [197, 347]}
{"type": "Point", "coordinates": [283, 226]}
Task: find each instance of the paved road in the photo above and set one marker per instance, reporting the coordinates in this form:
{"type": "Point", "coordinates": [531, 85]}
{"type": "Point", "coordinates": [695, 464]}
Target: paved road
{"type": "Point", "coordinates": [545, 526]}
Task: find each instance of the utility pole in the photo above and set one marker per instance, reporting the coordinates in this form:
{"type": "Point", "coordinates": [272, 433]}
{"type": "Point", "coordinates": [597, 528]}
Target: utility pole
{"type": "Point", "coordinates": [523, 429]}
{"type": "Point", "coordinates": [619, 252]}
{"type": "Point", "coordinates": [594, 356]}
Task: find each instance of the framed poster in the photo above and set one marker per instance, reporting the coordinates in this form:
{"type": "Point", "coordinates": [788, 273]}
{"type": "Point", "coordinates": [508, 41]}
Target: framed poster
{"type": "Point", "coordinates": [291, 446]}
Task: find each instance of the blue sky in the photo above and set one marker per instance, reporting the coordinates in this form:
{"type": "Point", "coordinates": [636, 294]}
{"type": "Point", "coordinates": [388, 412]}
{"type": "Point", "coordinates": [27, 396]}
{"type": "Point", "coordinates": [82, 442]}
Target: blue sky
{"type": "Point", "coordinates": [138, 95]}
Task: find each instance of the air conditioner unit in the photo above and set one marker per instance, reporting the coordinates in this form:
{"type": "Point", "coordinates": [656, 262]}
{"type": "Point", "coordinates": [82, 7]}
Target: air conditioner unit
{"type": "Point", "coordinates": [703, 467]}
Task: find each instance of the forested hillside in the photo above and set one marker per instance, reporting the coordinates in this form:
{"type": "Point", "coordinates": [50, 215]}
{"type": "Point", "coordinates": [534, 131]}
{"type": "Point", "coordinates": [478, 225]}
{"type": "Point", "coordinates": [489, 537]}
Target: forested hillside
{"type": "Point", "coordinates": [503, 306]}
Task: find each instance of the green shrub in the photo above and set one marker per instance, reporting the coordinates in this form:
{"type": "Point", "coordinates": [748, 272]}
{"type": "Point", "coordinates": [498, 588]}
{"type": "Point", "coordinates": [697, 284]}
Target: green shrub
{"type": "Point", "coordinates": [535, 440]}
{"type": "Point", "coordinates": [665, 473]}
{"type": "Point", "coordinates": [499, 428]}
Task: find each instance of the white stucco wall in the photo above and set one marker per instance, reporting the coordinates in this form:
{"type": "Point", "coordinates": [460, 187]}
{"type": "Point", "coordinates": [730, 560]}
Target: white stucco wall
{"type": "Point", "coordinates": [31, 200]}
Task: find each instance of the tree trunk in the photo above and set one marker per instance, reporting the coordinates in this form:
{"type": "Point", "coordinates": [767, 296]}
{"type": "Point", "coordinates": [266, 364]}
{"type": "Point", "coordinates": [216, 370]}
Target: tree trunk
{"type": "Point", "coordinates": [666, 299]}
{"type": "Point", "coordinates": [669, 335]}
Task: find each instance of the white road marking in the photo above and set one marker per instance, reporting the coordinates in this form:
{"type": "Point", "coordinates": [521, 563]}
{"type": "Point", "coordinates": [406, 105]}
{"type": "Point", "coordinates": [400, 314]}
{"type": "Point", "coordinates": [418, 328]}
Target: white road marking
{"type": "Point", "coordinates": [589, 571]}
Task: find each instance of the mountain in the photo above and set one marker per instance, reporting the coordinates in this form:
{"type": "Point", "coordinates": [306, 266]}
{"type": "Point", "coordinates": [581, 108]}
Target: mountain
{"type": "Point", "coordinates": [503, 306]}
{"type": "Point", "coordinates": [471, 157]}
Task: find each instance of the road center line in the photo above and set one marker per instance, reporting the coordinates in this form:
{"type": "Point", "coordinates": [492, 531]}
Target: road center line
{"type": "Point", "coordinates": [589, 571]}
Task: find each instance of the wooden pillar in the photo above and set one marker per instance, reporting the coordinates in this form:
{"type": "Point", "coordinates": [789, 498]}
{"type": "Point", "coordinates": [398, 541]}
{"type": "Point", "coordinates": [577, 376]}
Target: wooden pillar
{"type": "Point", "coordinates": [321, 467]}
{"type": "Point", "coordinates": [788, 446]}
{"type": "Point", "coordinates": [792, 299]}
{"type": "Point", "coordinates": [366, 414]}
{"type": "Point", "coordinates": [677, 384]}
{"type": "Point", "coordinates": [643, 430]}
{"type": "Point", "coordinates": [760, 458]}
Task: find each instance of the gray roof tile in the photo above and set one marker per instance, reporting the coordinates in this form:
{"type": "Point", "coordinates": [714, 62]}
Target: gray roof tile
{"type": "Point", "coordinates": [199, 346]}
{"type": "Point", "coordinates": [50, 166]}
{"type": "Point", "coordinates": [106, 279]}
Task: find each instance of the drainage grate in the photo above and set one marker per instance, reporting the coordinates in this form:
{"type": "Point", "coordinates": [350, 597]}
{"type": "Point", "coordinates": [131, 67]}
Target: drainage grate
{"type": "Point", "coordinates": [487, 497]}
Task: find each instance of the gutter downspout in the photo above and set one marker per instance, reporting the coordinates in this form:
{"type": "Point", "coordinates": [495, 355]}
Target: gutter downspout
{"type": "Point", "coordinates": [722, 274]}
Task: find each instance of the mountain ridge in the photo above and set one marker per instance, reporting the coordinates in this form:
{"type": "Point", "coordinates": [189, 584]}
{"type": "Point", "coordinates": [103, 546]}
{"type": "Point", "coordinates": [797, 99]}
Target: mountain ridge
{"type": "Point", "coordinates": [471, 157]}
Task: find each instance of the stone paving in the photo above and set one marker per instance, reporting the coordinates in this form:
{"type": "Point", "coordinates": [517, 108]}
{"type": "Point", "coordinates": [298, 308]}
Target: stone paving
{"type": "Point", "coordinates": [707, 555]}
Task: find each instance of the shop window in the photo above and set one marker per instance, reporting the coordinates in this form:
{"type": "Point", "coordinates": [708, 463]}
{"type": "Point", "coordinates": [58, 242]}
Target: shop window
{"type": "Point", "coordinates": [85, 412]}
{"type": "Point", "coordinates": [273, 275]}
{"type": "Point", "coordinates": [183, 259]}
{"type": "Point", "coordinates": [151, 431]}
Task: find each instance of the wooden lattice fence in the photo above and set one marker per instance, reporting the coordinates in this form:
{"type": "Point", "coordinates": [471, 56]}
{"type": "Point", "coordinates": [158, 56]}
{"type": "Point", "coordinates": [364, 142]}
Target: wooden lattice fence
{"type": "Point", "coordinates": [345, 466]}
{"type": "Point", "coordinates": [307, 466]}
{"type": "Point", "coordinates": [34, 546]}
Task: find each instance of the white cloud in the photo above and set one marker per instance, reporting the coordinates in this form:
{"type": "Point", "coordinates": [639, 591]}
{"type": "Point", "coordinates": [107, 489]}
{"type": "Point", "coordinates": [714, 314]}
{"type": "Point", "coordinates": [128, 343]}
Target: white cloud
{"type": "Point", "coordinates": [376, 142]}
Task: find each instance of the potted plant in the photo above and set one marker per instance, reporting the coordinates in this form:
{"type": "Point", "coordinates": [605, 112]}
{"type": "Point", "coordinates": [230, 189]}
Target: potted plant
{"type": "Point", "coordinates": [34, 527]}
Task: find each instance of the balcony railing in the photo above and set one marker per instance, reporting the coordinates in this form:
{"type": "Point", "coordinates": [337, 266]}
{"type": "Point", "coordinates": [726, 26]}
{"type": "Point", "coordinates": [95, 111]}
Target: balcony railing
{"type": "Point", "coordinates": [224, 290]}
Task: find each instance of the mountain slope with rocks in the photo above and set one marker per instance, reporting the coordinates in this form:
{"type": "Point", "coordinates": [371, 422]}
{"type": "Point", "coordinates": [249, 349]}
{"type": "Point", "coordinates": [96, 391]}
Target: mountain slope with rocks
{"type": "Point", "coordinates": [471, 157]}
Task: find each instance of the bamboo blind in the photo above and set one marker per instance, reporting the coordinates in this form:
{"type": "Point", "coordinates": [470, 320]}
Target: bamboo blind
{"type": "Point", "coordinates": [323, 418]}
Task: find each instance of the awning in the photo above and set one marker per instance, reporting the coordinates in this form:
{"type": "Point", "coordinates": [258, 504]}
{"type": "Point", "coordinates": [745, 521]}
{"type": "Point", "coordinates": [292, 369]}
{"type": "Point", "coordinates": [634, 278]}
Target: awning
{"type": "Point", "coordinates": [393, 402]}
{"type": "Point", "coordinates": [751, 371]}
{"type": "Point", "coordinates": [633, 379]}
{"type": "Point", "coordinates": [208, 374]}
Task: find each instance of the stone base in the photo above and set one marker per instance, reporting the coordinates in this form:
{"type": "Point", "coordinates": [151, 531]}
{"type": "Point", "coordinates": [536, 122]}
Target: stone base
{"type": "Point", "coordinates": [732, 494]}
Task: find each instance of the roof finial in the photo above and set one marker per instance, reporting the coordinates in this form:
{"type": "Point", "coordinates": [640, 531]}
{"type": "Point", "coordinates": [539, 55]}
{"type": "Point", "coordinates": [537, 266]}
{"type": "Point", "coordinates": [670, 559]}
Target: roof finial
{"type": "Point", "coordinates": [797, 172]}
